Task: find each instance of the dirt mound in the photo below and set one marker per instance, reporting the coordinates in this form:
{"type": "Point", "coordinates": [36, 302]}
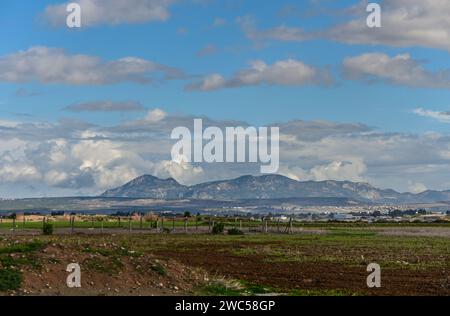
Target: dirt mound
{"type": "Point", "coordinates": [106, 269]}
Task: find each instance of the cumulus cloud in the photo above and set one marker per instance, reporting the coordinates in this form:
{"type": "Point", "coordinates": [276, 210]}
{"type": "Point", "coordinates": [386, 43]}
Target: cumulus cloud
{"type": "Point", "coordinates": [112, 12]}
{"type": "Point", "coordinates": [417, 187]}
{"type": "Point", "coordinates": [106, 106]}
{"type": "Point", "coordinates": [443, 117]}
{"type": "Point", "coordinates": [288, 72]}
{"type": "Point", "coordinates": [352, 170]}
{"type": "Point", "coordinates": [81, 158]}
{"type": "Point", "coordinates": [52, 65]}
{"type": "Point", "coordinates": [155, 116]}
{"type": "Point", "coordinates": [405, 23]}
{"type": "Point", "coordinates": [399, 70]}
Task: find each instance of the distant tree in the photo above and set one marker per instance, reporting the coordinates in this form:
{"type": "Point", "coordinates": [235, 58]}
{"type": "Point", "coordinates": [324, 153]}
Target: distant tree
{"type": "Point", "coordinates": [187, 214]}
{"type": "Point", "coordinates": [422, 212]}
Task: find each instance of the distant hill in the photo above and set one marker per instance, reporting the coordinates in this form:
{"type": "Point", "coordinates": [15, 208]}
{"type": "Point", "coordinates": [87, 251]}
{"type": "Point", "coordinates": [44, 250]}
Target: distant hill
{"type": "Point", "coordinates": [268, 187]}
{"type": "Point", "coordinates": [149, 187]}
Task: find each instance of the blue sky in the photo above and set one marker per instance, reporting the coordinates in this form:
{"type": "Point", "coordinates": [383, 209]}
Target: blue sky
{"type": "Point", "coordinates": [201, 38]}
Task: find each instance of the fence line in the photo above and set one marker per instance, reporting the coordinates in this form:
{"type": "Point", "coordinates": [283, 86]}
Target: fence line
{"type": "Point", "coordinates": [142, 223]}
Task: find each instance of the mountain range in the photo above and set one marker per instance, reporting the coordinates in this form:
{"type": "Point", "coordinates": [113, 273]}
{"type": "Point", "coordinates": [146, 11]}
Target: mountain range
{"type": "Point", "coordinates": [268, 187]}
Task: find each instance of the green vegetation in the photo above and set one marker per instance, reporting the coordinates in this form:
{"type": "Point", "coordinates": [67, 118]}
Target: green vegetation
{"type": "Point", "coordinates": [235, 232]}
{"type": "Point", "coordinates": [222, 288]}
{"type": "Point", "coordinates": [283, 264]}
{"type": "Point", "coordinates": [47, 229]}
{"type": "Point", "coordinates": [12, 257]}
{"type": "Point", "coordinates": [23, 248]}
{"type": "Point", "coordinates": [159, 268]}
{"type": "Point", "coordinates": [297, 292]}
{"type": "Point", "coordinates": [10, 279]}
{"type": "Point", "coordinates": [218, 228]}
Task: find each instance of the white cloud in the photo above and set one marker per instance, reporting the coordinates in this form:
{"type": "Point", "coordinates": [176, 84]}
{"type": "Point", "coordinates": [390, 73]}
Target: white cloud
{"type": "Point", "coordinates": [352, 170]}
{"type": "Point", "coordinates": [52, 65]}
{"type": "Point", "coordinates": [443, 117]}
{"type": "Point", "coordinates": [405, 23]}
{"type": "Point", "coordinates": [182, 171]}
{"type": "Point", "coordinates": [417, 187]}
{"type": "Point", "coordinates": [155, 116]}
{"type": "Point", "coordinates": [399, 70]}
{"type": "Point", "coordinates": [76, 157]}
{"type": "Point", "coordinates": [112, 12]}
{"type": "Point", "coordinates": [288, 72]}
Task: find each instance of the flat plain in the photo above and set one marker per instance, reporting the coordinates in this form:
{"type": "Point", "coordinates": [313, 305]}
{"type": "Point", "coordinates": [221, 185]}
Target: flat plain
{"type": "Point", "coordinates": [320, 259]}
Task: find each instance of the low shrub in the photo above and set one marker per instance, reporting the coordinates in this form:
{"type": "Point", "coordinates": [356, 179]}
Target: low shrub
{"type": "Point", "coordinates": [218, 228]}
{"type": "Point", "coordinates": [10, 279]}
{"type": "Point", "coordinates": [235, 232]}
{"type": "Point", "coordinates": [47, 229]}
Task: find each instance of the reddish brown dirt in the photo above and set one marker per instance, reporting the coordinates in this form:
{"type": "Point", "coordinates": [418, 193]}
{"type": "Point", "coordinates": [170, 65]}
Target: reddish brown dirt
{"type": "Point", "coordinates": [136, 275]}
{"type": "Point", "coordinates": [314, 276]}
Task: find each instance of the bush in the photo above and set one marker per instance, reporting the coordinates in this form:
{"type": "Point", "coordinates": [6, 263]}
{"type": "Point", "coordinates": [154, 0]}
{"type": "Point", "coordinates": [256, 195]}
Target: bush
{"type": "Point", "coordinates": [218, 228]}
{"type": "Point", "coordinates": [47, 229]}
{"type": "Point", "coordinates": [10, 279]}
{"type": "Point", "coordinates": [235, 232]}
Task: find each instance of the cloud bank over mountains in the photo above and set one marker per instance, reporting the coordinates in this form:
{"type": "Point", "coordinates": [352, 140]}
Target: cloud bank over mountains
{"type": "Point", "coordinates": [80, 158]}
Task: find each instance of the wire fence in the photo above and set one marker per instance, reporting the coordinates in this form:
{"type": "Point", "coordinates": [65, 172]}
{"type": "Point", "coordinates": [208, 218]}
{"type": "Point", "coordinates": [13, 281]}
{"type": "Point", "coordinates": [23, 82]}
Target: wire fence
{"type": "Point", "coordinates": [73, 224]}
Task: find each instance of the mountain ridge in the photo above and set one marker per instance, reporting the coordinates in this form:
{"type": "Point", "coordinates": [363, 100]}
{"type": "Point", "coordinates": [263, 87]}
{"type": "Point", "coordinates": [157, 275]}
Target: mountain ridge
{"type": "Point", "coordinates": [268, 187]}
